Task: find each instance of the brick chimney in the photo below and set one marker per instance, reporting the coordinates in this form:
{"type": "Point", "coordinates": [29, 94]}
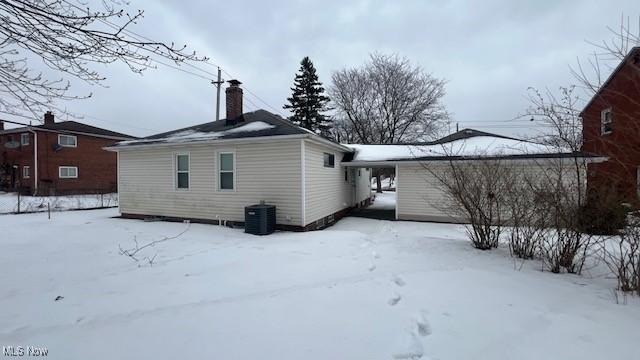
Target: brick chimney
{"type": "Point", "coordinates": [234, 99]}
{"type": "Point", "coordinates": [48, 118]}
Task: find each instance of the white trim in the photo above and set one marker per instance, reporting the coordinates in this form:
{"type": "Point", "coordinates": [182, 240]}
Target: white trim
{"type": "Point", "coordinates": [603, 114]}
{"type": "Point", "coordinates": [24, 136]}
{"type": "Point", "coordinates": [397, 189]}
{"type": "Point", "coordinates": [67, 167]}
{"type": "Point", "coordinates": [26, 169]}
{"type": "Point", "coordinates": [219, 171]}
{"type": "Point", "coordinates": [75, 138]}
{"type": "Point", "coordinates": [303, 185]}
{"type": "Point", "coordinates": [175, 170]}
{"type": "Point", "coordinates": [522, 161]}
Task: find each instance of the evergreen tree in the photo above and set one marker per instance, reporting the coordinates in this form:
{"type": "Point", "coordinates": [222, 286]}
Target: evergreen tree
{"type": "Point", "coordinates": [308, 101]}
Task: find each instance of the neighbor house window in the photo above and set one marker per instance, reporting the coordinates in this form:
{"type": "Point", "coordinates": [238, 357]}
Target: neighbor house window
{"type": "Point", "coordinates": [346, 175]}
{"type": "Point", "coordinates": [226, 171]}
{"type": "Point", "coordinates": [68, 172]}
{"type": "Point", "coordinates": [67, 140]}
{"type": "Point", "coordinates": [329, 160]}
{"type": "Point", "coordinates": [24, 139]}
{"type": "Point", "coordinates": [25, 172]}
{"type": "Point", "coordinates": [182, 171]}
{"type": "Point", "coordinates": [606, 121]}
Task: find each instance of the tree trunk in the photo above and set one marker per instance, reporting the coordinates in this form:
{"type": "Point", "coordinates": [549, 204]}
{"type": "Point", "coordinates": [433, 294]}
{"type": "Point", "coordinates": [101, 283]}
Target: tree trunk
{"type": "Point", "coordinates": [378, 181]}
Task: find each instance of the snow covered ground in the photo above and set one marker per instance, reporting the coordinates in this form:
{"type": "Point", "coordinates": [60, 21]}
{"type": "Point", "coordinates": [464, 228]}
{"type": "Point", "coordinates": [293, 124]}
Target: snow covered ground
{"type": "Point", "coordinates": [384, 201]}
{"type": "Point", "coordinates": [386, 183]}
{"type": "Point", "coordinates": [362, 289]}
{"type": "Point", "coordinates": [9, 202]}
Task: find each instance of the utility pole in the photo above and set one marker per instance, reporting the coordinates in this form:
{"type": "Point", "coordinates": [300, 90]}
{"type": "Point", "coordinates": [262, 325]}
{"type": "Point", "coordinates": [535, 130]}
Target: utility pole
{"type": "Point", "coordinates": [218, 84]}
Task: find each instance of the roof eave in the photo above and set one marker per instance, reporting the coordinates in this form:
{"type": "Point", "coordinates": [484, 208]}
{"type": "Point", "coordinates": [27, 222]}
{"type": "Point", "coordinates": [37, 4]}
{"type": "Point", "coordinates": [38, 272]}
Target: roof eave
{"type": "Point", "coordinates": [519, 159]}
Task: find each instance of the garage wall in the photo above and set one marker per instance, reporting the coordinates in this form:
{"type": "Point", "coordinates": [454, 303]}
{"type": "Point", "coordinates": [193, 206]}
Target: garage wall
{"type": "Point", "coordinates": [420, 195]}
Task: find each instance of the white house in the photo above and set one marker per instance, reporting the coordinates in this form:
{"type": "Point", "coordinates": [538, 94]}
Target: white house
{"type": "Point", "coordinates": [210, 172]}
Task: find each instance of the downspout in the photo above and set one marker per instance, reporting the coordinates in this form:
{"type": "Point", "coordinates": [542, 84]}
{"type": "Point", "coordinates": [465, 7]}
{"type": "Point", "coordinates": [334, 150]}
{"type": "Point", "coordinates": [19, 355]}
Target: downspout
{"type": "Point", "coordinates": [35, 160]}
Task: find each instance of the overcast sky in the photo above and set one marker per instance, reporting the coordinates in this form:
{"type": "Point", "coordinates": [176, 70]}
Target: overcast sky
{"type": "Point", "coordinates": [488, 51]}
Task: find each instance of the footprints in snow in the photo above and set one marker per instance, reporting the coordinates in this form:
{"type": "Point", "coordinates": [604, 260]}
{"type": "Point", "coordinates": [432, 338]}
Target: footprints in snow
{"type": "Point", "coordinates": [409, 345]}
{"type": "Point", "coordinates": [395, 299]}
{"type": "Point", "coordinates": [398, 281]}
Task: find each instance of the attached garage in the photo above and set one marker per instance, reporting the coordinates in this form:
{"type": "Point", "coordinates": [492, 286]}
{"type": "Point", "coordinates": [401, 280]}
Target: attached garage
{"type": "Point", "coordinates": [419, 168]}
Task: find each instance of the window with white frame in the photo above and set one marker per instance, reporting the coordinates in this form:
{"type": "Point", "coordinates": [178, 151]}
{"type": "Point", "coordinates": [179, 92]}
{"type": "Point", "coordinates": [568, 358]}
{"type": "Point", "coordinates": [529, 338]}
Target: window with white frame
{"type": "Point", "coordinates": [182, 171]}
{"type": "Point", "coordinates": [67, 140]}
{"type": "Point", "coordinates": [26, 172]}
{"type": "Point", "coordinates": [606, 121]}
{"type": "Point", "coordinates": [24, 139]}
{"type": "Point", "coordinates": [329, 160]}
{"type": "Point", "coordinates": [68, 172]}
{"type": "Point", "coordinates": [226, 170]}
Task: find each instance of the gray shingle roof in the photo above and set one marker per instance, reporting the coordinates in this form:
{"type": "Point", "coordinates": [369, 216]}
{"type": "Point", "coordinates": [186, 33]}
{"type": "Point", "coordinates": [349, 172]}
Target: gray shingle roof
{"type": "Point", "coordinates": [267, 124]}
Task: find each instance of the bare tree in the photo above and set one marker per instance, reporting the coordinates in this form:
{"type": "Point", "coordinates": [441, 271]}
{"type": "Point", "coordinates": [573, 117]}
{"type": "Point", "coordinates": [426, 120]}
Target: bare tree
{"type": "Point", "coordinates": [475, 190]}
{"type": "Point", "coordinates": [387, 100]}
{"type": "Point", "coordinates": [561, 186]}
{"type": "Point", "coordinates": [70, 39]}
{"type": "Point", "coordinates": [622, 256]}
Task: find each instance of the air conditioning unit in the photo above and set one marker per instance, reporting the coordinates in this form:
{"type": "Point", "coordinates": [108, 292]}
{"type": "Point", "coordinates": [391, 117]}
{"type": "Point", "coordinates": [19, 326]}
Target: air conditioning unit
{"type": "Point", "coordinates": [260, 219]}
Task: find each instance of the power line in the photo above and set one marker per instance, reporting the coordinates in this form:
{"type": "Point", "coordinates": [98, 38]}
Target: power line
{"type": "Point", "coordinates": [140, 37]}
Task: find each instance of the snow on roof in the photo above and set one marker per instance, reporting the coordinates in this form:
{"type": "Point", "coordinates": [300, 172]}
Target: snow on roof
{"type": "Point", "coordinates": [483, 146]}
{"type": "Point", "coordinates": [193, 135]}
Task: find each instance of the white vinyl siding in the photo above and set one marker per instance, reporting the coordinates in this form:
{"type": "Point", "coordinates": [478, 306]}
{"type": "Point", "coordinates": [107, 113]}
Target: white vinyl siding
{"type": "Point", "coordinates": [363, 184]}
{"type": "Point", "coordinates": [326, 190]}
{"type": "Point", "coordinates": [268, 171]}
{"type": "Point", "coordinates": [68, 172]}
{"type": "Point", "coordinates": [67, 140]}
{"type": "Point", "coordinates": [420, 195]}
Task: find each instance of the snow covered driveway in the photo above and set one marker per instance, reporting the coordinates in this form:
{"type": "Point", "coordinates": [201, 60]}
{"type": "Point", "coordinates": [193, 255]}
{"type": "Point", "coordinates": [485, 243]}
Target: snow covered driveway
{"type": "Point", "coordinates": [363, 289]}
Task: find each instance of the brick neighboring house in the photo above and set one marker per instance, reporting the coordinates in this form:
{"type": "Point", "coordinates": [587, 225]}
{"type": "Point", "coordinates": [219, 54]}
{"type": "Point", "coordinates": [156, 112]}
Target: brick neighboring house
{"type": "Point", "coordinates": [69, 159]}
{"type": "Point", "coordinates": [611, 127]}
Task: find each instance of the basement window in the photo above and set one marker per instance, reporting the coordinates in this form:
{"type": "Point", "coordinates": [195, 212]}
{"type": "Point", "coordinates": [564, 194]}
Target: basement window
{"type": "Point", "coordinates": [606, 121]}
{"type": "Point", "coordinates": [25, 172]}
{"type": "Point", "coordinates": [329, 160]}
{"type": "Point", "coordinates": [226, 171]}
{"type": "Point", "coordinates": [68, 172]}
{"type": "Point", "coordinates": [182, 171]}
{"type": "Point", "coordinates": [67, 140]}
{"type": "Point", "coordinates": [24, 139]}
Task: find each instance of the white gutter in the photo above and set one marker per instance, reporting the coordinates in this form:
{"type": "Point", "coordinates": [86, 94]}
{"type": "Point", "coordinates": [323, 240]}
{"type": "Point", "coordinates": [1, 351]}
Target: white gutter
{"type": "Point", "coordinates": [35, 159]}
{"type": "Point", "coordinates": [533, 159]}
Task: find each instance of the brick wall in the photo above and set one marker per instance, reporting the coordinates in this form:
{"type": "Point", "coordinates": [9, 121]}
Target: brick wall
{"type": "Point", "coordinates": [97, 168]}
{"type": "Point", "coordinates": [622, 145]}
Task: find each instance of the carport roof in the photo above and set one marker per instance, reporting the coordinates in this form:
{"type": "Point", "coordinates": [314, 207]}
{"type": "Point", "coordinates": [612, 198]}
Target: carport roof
{"type": "Point", "coordinates": [467, 144]}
